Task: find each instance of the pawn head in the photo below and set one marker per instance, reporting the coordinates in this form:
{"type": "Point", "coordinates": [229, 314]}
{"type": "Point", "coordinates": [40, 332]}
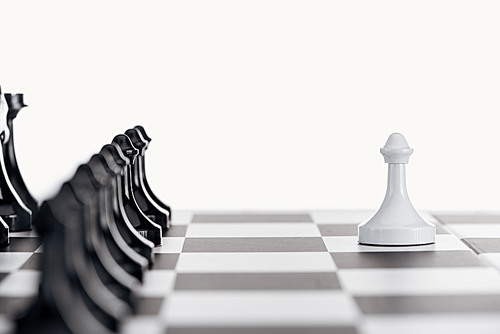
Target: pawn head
{"type": "Point", "coordinates": [126, 146]}
{"type": "Point", "coordinates": [396, 150]}
{"type": "Point", "coordinates": [15, 103]}
{"type": "Point", "coordinates": [114, 157]}
{"type": "Point", "coordinates": [143, 133]}
{"type": "Point", "coordinates": [137, 140]}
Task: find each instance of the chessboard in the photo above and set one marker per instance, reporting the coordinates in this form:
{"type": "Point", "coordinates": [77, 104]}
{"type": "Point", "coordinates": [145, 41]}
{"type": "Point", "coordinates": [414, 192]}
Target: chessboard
{"type": "Point", "coordinates": [297, 272]}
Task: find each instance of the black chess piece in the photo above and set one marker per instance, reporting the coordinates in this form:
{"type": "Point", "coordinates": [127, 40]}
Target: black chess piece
{"type": "Point", "coordinates": [60, 307]}
{"type": "Point", "coordinates": [70, 299]}
{"type": "Point", "coordinates": [117, 164]}
{"type": "Point", "coordinates": [140, 221]}
{"type": "Point", "coordinates": [13, 210]}
{"type": "Point", "coordinates": [142, 172]}
{"type": "Point", "coordinates": [15, 103]}
{"type": "Point", "coordinates": [132, 262]}
{"type": "Point", "coordinates": [98, 241]}
{"type": "Point", "coordinates": [146, 203]}
{"type": "Point", "coordinates": [4, 233]}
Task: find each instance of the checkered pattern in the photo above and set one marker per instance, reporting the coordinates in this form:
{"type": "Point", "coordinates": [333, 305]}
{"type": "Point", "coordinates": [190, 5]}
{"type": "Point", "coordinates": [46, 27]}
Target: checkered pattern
{"type": "Point", "coordinates": [298, 272]}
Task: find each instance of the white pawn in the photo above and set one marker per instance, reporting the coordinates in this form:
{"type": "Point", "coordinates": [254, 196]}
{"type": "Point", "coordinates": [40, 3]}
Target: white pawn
{"type": "Point", "coordinates": [396, 223]}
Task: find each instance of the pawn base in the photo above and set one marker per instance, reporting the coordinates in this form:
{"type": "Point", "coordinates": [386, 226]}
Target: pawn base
{"type": "Point", "coordinates": [397, 236]}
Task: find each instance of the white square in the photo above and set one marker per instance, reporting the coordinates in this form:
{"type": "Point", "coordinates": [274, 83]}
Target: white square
{"type": "Point", "coordinates": [7, 325]}
{"type": "Point", "coordinates": [181, 217]}
{"type": "Point", "coordinates": [463, 323]}
{"type": "Point", "coordinates": [145, 324]}
{"type": "Point", "coordinates": [341, 216]}
{"type": "Point", "coordinates": [475, 230]}
{"type": "Point", "coordinates": [259, 308]}
{"type": "Point", "coordinates": [491, 259]}
{"type": "Point", "coordinates": [170, 245]}
{"type": "Point", "coordinates": [420, 281]}
{"type": "Point", "coordinates": [22, 283]}
{"type": "Point", "coordinates": [12, 261]}
{"type": "Point", "coordinates": [157, 283]}
{"type": "Point", "coordinates": [29, 234]}
{"type": "Point", "coordinates": [256, 262]}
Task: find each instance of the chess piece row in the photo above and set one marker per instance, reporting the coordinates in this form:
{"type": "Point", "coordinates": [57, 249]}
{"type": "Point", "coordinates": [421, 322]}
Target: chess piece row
{"type": "Point", "coordinates": [18, 207]}
{"type": "Point", "coordinates": [98, 234]}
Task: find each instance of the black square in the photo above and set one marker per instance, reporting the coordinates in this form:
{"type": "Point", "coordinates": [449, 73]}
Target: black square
{"type": "Point", "coordinates": [253, 218]}
{"type": "Point", "coordinates": [433, 259]}
{"type": "Point", "coordinates": [149, 306]}
{"type": "Point", "coordinates": [34, 262]}
{"type": "Point", "coordinates": [483, 245]}
{"type": "Point", "coordinates": [22, 244]}
{"type": "Point", "coordinates": [230, 245]}
{"type": "Point", "coordinates": [165, 261]}
{"type": "Point", "coordinates": [175, 231]}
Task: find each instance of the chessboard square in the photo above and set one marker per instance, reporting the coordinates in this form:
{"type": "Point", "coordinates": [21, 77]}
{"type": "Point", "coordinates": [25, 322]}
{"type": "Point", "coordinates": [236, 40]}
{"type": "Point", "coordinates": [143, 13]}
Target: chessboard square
{"type": "Point", "coordinates": [180, 217]}
{"type": "Point", "coordinates": [406, 259]}
{"type": "Point", "coordinates": [252, 218]}
{"type": "Point", "coordinates": [255, 262]}
{"type": "Point", "coordinates": [26, 234]}
{"type": "Point", "coordinates": [461, 323]}
{"type": "Point", "coordinates": [259, 308]}
{"type": "Point", "coordinates": [165, 261]}
{"type": "Point", "coordinates": [255, 230]}
{"type": "Point", "coordinates": [483, 245]}
{"type": "Point", "coordinates": [341, 216]}
{"type": "Point", "coordinates": [491, 259]}
{"type": "Point", "coordinates": [11, 307]}
{"type": "Point", "coordinates": [475, 230]}
{"type": "Point", "coordinates": [34, 262]}
{"type": "Point", "coordinates": [445, 242]}
{"type": "Point", "coordinates": [263, 330]}
{"type": "Point", "coordinates": [147, 324]}
{"type": "Point", "coordinates": [6, 324]}
{"type": "Point", "coordinates": [149, 305]}
{"type": "Point", "coordinates": [257, 281]}
{"type": "Point", "coordinates": [22, 244]}
{"type": "Point", "coordinates": [157, 283]}
{"type": "Point", "coordinates": [169, 245]}
{"type": "Point", "coordinates": [441, 229]}
{"type": "Point", "coordinates": [420, 281]}
{"type": "Point", "coordinates": [219, 245]}
{"type": "Point", "coordinates": [428, 304]}
{"type": "Point", "coordinates": [176, 231]}
{"type": "Point", "coordinates": [468, 218]}
{"type": "Point", "coordinates": [12, 261]}
{"type": "Point", "coordinates": [21, 283]}
{"type": "Point", "coordinates": [338, 230]}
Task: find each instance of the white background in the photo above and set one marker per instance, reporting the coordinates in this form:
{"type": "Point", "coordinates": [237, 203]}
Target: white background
{"type": "Point", "coordinates": [262, 104]}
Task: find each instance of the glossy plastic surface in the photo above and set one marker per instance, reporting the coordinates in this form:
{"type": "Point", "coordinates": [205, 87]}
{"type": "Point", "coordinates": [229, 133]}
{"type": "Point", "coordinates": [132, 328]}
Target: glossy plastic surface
{"type": "Point", "coordinates": [396, 223]}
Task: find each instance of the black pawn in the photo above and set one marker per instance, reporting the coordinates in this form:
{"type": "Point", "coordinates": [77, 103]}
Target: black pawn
{"type": "Point", "coordinates": [12, 208]}
{"type": "Point", "coordinates": [142, 171]}
{"type": "Point", "coordinates": [16, 103]}
{"type": "Point", "coordinates": [145, 226]}
{"type": "Point", "coordinates": [133, 263]}
{"type": "Point", "coordinates": [63, 305]}
{"type": "Point", "coordinates": [117, 163]}
{"type": "Point", "coordinates": [153, 210]}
